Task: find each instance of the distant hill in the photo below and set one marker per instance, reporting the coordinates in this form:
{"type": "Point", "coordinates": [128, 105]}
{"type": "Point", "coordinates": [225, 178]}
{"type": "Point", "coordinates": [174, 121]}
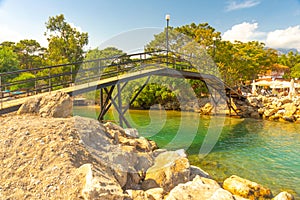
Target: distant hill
{"type": "Point", "coordinates": [286, 51]}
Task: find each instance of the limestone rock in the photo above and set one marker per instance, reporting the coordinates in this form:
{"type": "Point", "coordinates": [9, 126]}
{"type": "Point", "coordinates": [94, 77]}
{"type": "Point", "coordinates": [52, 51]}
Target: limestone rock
{"type": "Point", "coordinates": [207, 109]}
{"type": "Point", "coordinates": [194, 171]}
{"type": "Point", "coordinates": [290, 109]}
{"type": "Point", "coordinates": [131, 132]}
{"type": "Point", "coordinates": [222, 194]}
{"type": "Point", "coordinates": [269, 112]}
{"type": "Point", "coordinates": [151, 194]}
{"type": "Point", "coordinates": [245, 188]}
{"type": "Point", "coordinates": [289, 118]}
{"type": "Point", "coordinates": [56, 104]}
{"type": "Point", "coordinates": [284, 196]}
{"type": "Point", "coordinates": [30, 106]}
{"type": "Point", "coordinates": [169, 169]}
{"type": "Point", "coordinates": [126, 160]}
{"type": "Point", "coordinates": [199, 188]}
{"type": "Point", "coordinates": [98, 184]}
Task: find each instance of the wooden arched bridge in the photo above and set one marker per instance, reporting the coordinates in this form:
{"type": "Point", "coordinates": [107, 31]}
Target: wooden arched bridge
{"type": "Point", "coordinates": [108, 75]}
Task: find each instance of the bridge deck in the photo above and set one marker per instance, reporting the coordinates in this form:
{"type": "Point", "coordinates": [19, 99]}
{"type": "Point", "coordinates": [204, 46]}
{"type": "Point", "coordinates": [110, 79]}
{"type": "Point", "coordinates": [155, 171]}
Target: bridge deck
{"type": "Point", "coordinates": [13, 105]}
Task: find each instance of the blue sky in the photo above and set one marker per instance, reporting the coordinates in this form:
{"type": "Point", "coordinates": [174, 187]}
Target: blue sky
{"type": "Point", "coordinates": [275, 22]}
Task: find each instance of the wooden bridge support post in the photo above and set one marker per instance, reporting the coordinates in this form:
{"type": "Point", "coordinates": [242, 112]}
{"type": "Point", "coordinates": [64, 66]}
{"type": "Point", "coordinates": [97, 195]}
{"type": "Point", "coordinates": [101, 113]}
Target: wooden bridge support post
{"type": "Point", "coordinates": [120, 104]}
{"type": "Point", "coordinates": [229, 106]}
{"type": "Point", "coordinates": [109, 100]}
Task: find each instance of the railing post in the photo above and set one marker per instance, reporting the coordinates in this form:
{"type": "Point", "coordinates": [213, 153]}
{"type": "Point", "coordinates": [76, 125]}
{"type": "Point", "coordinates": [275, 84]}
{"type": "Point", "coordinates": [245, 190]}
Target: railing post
{"type": "Point", "coordinates": [35, 83]}
{"type": "Point", "coordinates": [1, 95]}
{"type": "Point", "coordinates": [99, 69]}
{"type": "Point", "coordinates": [49, 76]}
{"type": "Point", "coordinates": [71, 70]}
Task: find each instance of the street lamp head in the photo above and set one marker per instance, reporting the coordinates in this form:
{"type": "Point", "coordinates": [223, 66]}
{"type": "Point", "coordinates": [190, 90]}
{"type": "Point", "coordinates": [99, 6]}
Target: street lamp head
{"type": "Point", "coordinates": [167, 17]}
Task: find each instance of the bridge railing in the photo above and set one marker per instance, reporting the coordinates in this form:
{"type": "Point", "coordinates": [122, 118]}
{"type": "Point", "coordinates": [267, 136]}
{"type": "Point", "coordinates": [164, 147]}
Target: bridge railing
{"type": "Point", "coordinates": [49, 78]}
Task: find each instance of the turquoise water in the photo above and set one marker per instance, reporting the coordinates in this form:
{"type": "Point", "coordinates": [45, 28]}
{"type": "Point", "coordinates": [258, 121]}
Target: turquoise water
{"type": "Point", "coordinates": [262, 151]}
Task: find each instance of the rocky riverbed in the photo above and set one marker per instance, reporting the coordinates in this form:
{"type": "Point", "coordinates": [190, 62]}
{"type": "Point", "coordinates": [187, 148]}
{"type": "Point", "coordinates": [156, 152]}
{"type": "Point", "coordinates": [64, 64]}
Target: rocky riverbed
{"type": "Point", "coordinates": [46, 156]}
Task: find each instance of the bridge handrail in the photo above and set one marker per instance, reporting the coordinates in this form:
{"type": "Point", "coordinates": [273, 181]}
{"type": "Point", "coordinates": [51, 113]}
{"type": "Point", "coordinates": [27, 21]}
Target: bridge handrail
{"type": "Point", "coordinates": [104, 67]}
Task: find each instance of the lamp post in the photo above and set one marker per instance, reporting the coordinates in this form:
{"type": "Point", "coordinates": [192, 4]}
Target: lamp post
{"type": "Point", "coordinates": [167, 32]}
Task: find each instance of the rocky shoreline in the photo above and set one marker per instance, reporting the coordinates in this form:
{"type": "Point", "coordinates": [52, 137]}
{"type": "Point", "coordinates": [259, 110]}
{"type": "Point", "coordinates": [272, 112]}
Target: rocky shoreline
{"type": "Point", "coordinates": [46, 156]}
{"type": "Point", "coordinates": [284, 109]}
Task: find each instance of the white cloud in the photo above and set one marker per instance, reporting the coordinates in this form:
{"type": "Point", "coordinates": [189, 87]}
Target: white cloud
{"type": "Point", "coordinates": [244, 32]}
{"type": "Point", "coordinates": [234, 5]}
{"type": "Point", "coordinates": [286, 38]}
{"type": "Point", "coordinates": [78, 28]}
{"type": "Point", "coordinates": [9, 35]}
{"type": "Point", "coordinates": [283, 38]}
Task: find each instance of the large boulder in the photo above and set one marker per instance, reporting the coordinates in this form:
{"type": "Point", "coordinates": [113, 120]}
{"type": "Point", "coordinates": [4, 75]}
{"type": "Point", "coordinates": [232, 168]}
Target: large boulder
{"type": "Point", "coordinates": [151, 194]}
{"type": "Point", "coordinates": [245, 188]}
{"type": "Point", "coordinates": [126, 156]}
{"type": "Point", "coordinates": [55, 104]}
{"type": "Point", "coordinates": [290, 109]}
{"type": "Point", "coordinates": [284, 196]}
{"type": "Point", "coordinates": [207, 109]}
{"type": "Point", "coordinates": [170, 168]}
{"type": "Point", "coordinates": [199, 188]}
{"type": "Point", "coordinates": [99, 184]}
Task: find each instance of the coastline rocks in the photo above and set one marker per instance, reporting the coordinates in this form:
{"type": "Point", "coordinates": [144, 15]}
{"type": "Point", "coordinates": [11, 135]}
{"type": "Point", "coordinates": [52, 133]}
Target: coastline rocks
{"type": "Point", "coordinates": [56, 104]}
{"type": "Point", "coordinates": [245, 188]}
{"type": "Point", "coordinates": [269, 107]}
{"type": "Point", "coordinates": [127, 157]}
{"type": "Point", "coordinates": [151, 194]}
{"type": "Point", "coordinates": [170, 168]}
{"type": "Point", "coordinates": [80, 158]}
{"type": "Point", "coordinates": [199, 188]}
{"type": "Point", "coordinates": [207, 109]}
{"type": "Point", "coordinates": [98, 184]}
{"type": "Point", "coordinates": [284, 196]}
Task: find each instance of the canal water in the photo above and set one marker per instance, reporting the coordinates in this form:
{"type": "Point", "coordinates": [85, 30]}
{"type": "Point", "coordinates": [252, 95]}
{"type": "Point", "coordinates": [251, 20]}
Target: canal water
{"type": "Point", "coordinates": [262, 151]}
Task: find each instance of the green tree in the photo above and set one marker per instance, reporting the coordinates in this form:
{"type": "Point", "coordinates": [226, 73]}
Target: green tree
{"type": "Point", "coordinates": [65, 42]}
{"type": "Point", "coordinates": [295, 71]}
{"type": "Point", "coordinates": [65, 45]}
{"type": "Point", "coordinates": [241, 61]}
{"type": "Point", "coordinates": [30, 54]}
{"type": "Point", "coordinates": [290, 59]}
{"type": "Point", "coordinates": [8, 61]}
{"type": "Point", "coordinates": [110, 58]}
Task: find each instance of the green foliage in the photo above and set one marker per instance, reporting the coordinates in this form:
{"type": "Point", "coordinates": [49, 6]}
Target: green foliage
{"type": "Point", "coordinates": [30, 54]}
{"type": "Point", "coordinates": [23, 86]}
{"type": "Point", "coordinates": [65, 42]}
{"type": "Point", "coordinates": [102, 66]}
{"type": "Point", "coordinates": [243, 61]}
{"type": "Point", "coordinates": [154, 94]}
{"type": "Point", "coordinates": [291, 60]}
{"type": "Point", "coordinates": [295, 71]}
{"type": "Point", "coordinates": [8, 61]}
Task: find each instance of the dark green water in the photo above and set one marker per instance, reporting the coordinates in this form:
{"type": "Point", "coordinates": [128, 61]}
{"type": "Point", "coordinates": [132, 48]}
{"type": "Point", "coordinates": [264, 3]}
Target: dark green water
{"type": "Point", "coordinates": [262, 151]}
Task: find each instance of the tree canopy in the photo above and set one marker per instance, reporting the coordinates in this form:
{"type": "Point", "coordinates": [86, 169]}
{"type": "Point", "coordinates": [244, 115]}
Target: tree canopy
{"type": "Point", "coordinates": [65, 42]}
{"type": "Point", "coordinates": [8, 61]}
